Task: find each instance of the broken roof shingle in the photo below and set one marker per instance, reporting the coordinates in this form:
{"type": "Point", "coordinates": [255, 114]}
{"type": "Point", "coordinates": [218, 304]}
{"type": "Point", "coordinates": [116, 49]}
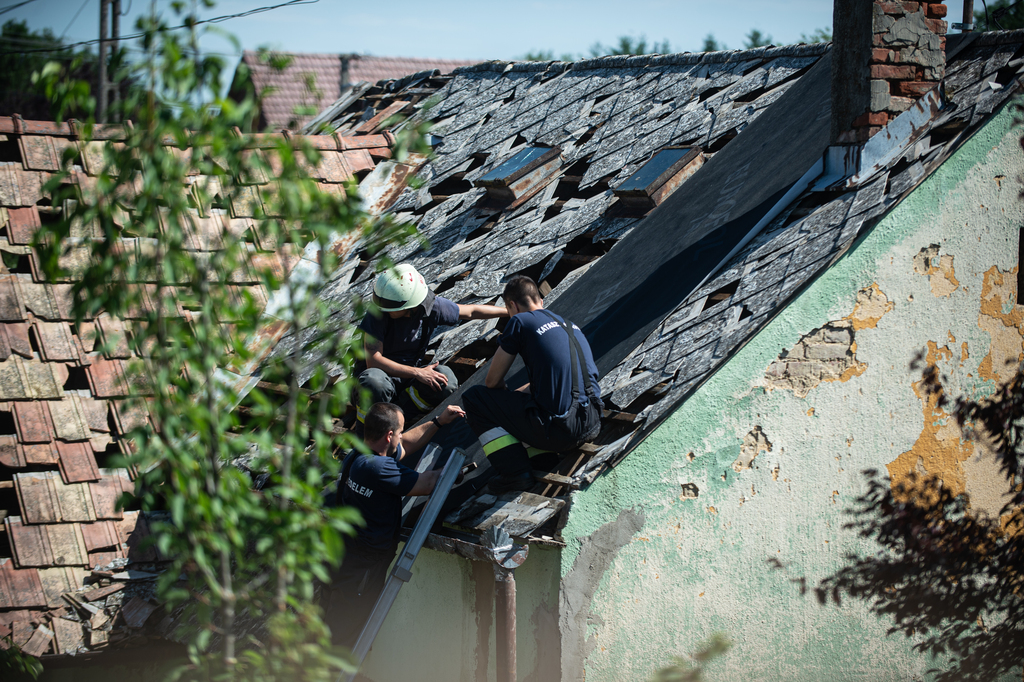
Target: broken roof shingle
{"type": "Point", "coordinates": [609, 115]}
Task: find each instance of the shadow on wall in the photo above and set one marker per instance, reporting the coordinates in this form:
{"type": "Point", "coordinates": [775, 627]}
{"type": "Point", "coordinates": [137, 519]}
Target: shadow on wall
{"type": "Point", "coordinates": [948, 575]}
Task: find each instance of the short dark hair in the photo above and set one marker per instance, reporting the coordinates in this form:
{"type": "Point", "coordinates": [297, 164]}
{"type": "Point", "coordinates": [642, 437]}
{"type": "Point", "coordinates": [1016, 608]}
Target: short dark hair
{"type": "Point", "coordinates": [381, 418]}
{"type": "Point", "coordinates": [522, 290]}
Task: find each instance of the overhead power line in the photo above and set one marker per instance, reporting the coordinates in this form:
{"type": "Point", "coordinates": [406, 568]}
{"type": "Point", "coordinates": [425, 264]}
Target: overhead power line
{"type": "Point", "coordinates": [214, 20]}
{"type": "Point", "coordinates": [11, 8]}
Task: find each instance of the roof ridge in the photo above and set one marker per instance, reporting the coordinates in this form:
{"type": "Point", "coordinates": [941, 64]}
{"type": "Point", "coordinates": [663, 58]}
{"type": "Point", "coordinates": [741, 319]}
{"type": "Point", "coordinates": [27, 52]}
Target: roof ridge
{"type": "Point", "coordinates": [644, 60]}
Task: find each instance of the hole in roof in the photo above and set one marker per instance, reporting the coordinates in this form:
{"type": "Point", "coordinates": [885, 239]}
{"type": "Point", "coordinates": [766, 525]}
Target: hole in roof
{"type": "Point", "coordinates": [1005, 75]}
{"type": "Point", "coordinates": [708, 94]}
{"type": "Point", "coordinates": [9, 151]}
{"type": "Point", "coordinates": [553, 210]}
{"type": "Point", "coordinates": [33, 341]}
{"type": "Point", "coordinates": [7, 427]}
{"type": "Point", "coordinates": [77, 379]}
{"type": "Point", "coordinates": [364, 263]}
{"type": "Point", "coordinates": [601, 98]}
{"type": "Point", "coordinates": [721, 294]}
{"type": "Point", "coordinates": [721, 141]}
{"type": "Point", "coordinates": [485, 228]}
{"type": "Point", "coordinates": [511, 96]}
{"type": "Point", "coordinates": [476, 161]}
{"type": "Point", "coordinates": [579, 252]}
{"type": "Point", "coordinates": [361, 174]}
{"type": "Point", "coordinates": [452, 281]}
{"type": "Point", "coordinates": [110, 458]}
{"type": "Point", "coordinates": [589, 134]}
{"type": "Point", "coordinates": [16, 263]}
{"type": "Point", "coordinates": [745, 313]}
{"type": "Point", "coordinates": [453, 184]}
{"type": "Point", "coordinates": [752, 95]}
{"type": "Point", "coordinates": [897, 168]}
{"type": "Point", "coordinates": [519, 139]}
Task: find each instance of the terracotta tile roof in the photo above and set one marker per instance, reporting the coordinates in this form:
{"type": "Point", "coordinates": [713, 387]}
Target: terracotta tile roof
{"type": "Point", "coordinates": [291, 85]}
{"type": "Point", "coordinates": [63, 407]}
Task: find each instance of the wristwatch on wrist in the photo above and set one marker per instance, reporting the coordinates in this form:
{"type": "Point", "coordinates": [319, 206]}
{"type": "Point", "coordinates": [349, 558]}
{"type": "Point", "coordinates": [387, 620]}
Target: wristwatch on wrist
{"type": "Point", "coordinates": [437, 422]}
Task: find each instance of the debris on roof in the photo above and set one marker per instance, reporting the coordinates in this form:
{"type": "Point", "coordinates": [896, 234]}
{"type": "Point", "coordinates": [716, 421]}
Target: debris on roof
{"type": "Point", "coordinates": [609, 117]}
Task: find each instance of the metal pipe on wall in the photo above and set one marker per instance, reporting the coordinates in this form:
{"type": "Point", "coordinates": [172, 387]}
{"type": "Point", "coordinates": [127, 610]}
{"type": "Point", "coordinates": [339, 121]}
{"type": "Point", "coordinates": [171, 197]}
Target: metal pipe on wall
{"type": "Point", "coordinates": [505, 619]}
{"type": "Point", "coordinates": [968, 16]}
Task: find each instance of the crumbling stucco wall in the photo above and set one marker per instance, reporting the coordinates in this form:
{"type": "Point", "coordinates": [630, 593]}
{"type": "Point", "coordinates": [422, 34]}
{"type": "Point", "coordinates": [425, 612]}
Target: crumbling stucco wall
{"type": "Point", "coordinates": [743, 489]}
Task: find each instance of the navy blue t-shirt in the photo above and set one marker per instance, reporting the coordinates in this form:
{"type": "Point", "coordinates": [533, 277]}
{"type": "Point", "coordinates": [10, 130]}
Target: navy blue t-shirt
{"type": "Point", "coordinates": [544, 347]}
{"type": "Point", "coordinates": [376, 486]}
{"type": "Point", "coordinates": [406, 339]}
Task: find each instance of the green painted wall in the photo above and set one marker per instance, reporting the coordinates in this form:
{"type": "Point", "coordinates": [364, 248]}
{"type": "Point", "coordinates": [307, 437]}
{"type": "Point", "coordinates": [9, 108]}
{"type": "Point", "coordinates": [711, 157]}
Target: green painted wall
{"type": "Point", "coordinates": [692, 567]}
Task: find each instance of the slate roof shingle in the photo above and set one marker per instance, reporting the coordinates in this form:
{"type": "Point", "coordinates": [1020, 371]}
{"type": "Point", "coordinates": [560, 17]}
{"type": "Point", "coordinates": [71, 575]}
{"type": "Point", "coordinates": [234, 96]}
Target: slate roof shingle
{"type": "Point", "coordinates": [609, 116]}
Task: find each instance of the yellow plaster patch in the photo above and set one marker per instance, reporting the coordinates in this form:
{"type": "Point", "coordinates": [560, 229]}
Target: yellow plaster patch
{"type": "Point", "coordinates": [871, 305]}
{"type": "Point", "coordinates": [1004, 322]}
{"type": "Point", "coordinates": [938, 269]}
{"type": "Point", "coordinates": [939, 450]}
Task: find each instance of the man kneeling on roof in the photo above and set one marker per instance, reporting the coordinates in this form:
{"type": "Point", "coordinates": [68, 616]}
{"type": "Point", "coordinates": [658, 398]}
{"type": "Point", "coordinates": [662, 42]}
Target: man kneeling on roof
{"type": "Point", "coordinates": [376, 484]}
{"type": "Point", "coordinates": [558, 410]}
{"type": "Point", "coordinates": [396, 335]}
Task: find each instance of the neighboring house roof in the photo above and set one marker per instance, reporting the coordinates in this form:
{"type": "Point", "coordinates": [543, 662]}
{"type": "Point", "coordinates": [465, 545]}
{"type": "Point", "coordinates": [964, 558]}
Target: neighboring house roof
{"type": "Point", "coordinates": [329, 75]}
{"type": "Point", "coordinates": [690, 298]}
{"type": "Point", "coordinates": [63, 405]}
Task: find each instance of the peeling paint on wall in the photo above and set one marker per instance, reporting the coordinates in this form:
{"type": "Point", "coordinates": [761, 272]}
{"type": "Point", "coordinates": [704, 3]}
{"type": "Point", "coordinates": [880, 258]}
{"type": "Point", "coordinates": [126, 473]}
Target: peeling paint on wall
{"type": "Point", "coordinates": [753, 443]}
{"type": "Point", "coordinates": [938, 269]}
{"type": "Point", "coordinates": [940, 449]}
{"type": "Point", "coordinates": [828, 353]}
{"type": "Point", "coordinates": [1004, 322]}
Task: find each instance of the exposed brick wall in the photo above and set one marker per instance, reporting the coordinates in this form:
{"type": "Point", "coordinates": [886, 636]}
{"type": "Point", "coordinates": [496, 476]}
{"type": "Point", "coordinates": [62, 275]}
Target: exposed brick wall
{"type": "Point", "coordinates": [907, 60]}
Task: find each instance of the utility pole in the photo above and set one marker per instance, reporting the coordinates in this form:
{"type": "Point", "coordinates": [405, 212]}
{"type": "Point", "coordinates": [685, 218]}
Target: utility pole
{"type": "Point", "coordinates": [115, 34]}
{"type": "Point", "coordinates": [101, 106]}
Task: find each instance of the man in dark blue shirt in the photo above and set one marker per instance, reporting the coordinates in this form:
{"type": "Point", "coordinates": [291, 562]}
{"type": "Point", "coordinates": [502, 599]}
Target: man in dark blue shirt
{"type": "Point", "coordinates": [558, 410]}
{"type": "Point", "coordinates": [396, 335]}
{"type": "Point", "coordinates": [376, 484]}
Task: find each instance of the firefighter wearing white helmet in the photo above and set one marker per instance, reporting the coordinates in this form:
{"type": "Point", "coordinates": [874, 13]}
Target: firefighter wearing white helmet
{"type": "Point", "coordinates": [396, 333]}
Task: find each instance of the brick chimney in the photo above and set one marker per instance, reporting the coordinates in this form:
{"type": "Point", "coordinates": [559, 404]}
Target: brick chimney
{"type": "Point", "coordinates": [884, 56]}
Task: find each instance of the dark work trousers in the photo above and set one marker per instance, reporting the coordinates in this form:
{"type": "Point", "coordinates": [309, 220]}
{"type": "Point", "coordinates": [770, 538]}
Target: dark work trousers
{"type": "Point", "coordinates": [385, 389]}
{"type": "Point", "coordinates": [354, 588]}
{"type": "Point", "coordinates": [506, 422]}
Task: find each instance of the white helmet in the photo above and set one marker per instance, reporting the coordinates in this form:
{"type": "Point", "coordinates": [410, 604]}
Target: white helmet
{"type": "Point", "coordinates": [399, 288]}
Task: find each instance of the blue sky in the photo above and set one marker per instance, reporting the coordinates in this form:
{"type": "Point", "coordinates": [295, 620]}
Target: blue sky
{"type": "Point", "coordinates": [460, 29]}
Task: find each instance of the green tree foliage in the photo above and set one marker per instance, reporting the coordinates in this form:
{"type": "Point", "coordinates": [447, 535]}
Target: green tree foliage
{"type": "Point", "coordinates": [947, 575]}
{"type": "Point", "coordinates": [630, 45]}
{"type": "Point", "coordinates": [818, 35]}
{"type": "Point", "coordinates": [691, 668]}
{"type": "Point", "coordinates": [545, 56]}
{"type": "Point", "coordinates": [24, 52]}
{"type": "Point", "coordinates": [1000, 15]}
{"type": "Point", "coordinates": [756, 39]}
{"type": "Point", "coordinates": [16, 665]}
{"type": "Point", "coordinates": [712, 45]}
{"type": "Point", "coordinates": [249, 560]}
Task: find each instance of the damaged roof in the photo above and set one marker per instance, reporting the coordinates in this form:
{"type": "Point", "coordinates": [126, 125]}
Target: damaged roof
{"type": "Point", "coordinates": [64, 409]}
{"type": "Point", "coordinates": [311, 82]}
{"type": "Point", "coordinates": [665, 296]}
